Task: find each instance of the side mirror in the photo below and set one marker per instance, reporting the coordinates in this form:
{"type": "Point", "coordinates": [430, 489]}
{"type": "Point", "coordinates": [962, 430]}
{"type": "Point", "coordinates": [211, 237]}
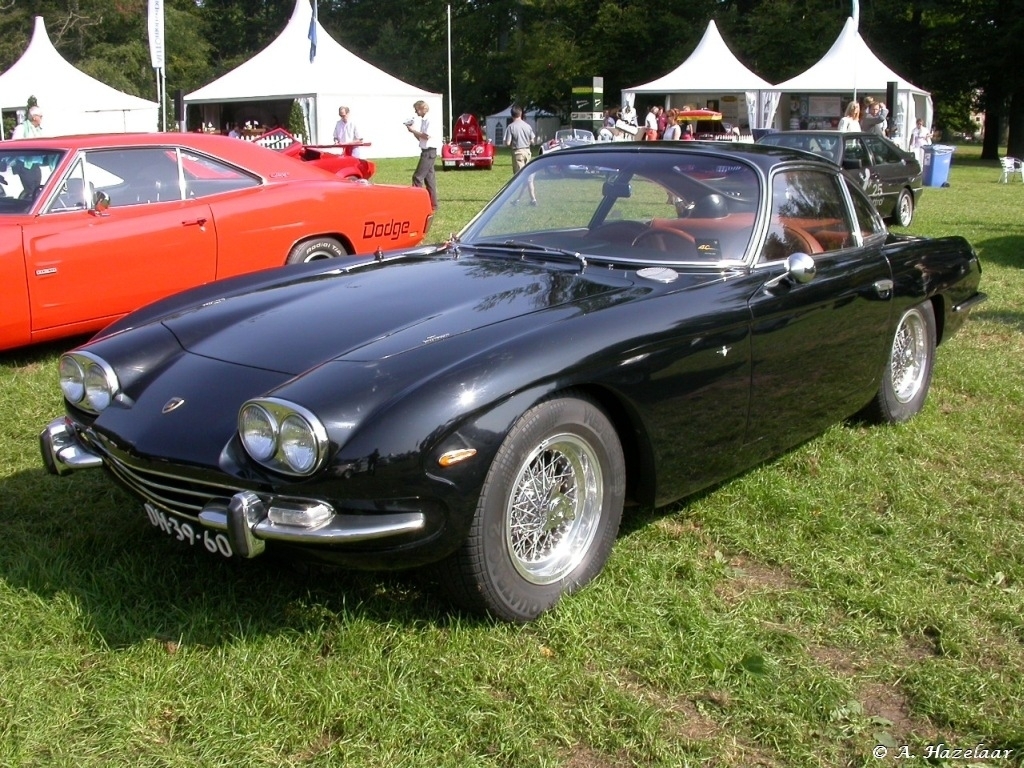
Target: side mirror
{"type": "Point", "coordinates": [101, 202]}
{"type": "Point", "coordinates": [853, 164]}
{"type": "Point", "coordinates": [800, 268]}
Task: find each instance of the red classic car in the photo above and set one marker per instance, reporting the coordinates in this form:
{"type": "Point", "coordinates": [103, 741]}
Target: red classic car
{"type": "Point", "coordinates": [93, 227]}
{"type": "Point", "coordinates": [339, 159]}
{"type": "Point", "coordinates": [469, 147]}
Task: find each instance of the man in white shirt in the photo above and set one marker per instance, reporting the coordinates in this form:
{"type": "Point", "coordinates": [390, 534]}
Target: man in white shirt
{"type": "Point", "coordinates": [345, 131]}
{"type": "Point", "coordinates": [424, 174]}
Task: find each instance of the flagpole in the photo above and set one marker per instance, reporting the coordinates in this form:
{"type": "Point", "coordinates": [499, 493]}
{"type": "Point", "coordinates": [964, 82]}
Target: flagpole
{"type": "Point", "coordinates": [155, 24]}
{"type": "Point", "coordinates": [451, 114]}
{"type": "Point", "coordinates": [856, 28]}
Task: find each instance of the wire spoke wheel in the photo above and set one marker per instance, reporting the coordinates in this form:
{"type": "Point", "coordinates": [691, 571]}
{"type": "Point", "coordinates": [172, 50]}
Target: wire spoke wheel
{"type": "Point", "coordinates": [554, 509]}
{"type": "Point", "coordinates": [908, 370]}
{"type": "Point", "coordinates": [548, 513]}
{"type": "Point", "coordinates": [910, 354]}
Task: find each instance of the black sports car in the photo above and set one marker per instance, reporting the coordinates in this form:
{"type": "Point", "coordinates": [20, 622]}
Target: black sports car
{"type": "Point", "coordinates": [490, 404]}
{"type": "Point", "coordinates": [890, 176]}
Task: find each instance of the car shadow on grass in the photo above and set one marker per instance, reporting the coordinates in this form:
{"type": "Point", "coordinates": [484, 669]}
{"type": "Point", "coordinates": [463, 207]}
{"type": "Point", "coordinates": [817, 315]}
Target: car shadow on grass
{"type": "Point", "coordinates": [83, 539]}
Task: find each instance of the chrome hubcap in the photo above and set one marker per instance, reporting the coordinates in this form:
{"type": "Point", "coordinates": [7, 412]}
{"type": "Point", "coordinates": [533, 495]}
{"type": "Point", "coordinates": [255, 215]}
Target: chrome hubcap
{"type": "Point", "coordinates": [905, 211]}
{"type": "Point", "coordinates": [553, 511]}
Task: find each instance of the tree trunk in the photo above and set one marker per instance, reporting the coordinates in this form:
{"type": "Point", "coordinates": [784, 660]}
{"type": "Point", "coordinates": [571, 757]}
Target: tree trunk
{"type": "Point", "coordinates": [1015, 141]}
{"type": "Point", "coordinates": [994, 101]}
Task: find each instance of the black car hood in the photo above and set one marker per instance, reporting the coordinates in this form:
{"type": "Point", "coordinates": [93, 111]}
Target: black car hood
{"type": "Point", "coordinates": [378, 311]}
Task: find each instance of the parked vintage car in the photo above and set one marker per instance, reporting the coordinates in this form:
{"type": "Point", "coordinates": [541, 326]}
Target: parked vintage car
{"type": "Point", "coordinates": [95, 226]}
{"type": "Point", "coordinates": [890, 176]}
{"type": "Point", "coordinates": [568, 137]}
{"type": "Point", "coordinates": [469, 147]}
{"type": "Point", "coordinates": [653, 327]}
{"type": "Point", "coordinates": [339, 159]}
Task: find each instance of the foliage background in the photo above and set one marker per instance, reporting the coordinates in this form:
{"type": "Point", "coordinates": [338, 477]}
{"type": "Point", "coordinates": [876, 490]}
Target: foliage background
{"type": "Point", "coordinates": [530, 51]}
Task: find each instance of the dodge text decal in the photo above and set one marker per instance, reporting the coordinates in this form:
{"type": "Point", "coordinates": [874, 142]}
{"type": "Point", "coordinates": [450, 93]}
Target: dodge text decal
{"type": "Point", "coordinates": [393, 229]}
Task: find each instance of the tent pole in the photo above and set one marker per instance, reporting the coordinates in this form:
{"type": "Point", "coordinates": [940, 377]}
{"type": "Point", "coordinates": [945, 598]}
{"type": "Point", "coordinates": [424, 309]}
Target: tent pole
{"type": "Point", "coordinates": [450, 112]}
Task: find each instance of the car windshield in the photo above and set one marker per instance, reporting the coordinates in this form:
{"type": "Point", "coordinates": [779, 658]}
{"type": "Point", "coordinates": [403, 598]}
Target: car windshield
{"type": "Point", "coordinates": [625, 207]}
{"type": "Point", "coordinates": [23, 175]}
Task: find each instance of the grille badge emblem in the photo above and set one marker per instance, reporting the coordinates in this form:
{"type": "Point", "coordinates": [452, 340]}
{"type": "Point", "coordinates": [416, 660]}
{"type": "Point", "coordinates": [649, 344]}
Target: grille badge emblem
{"type": "Point", "coordinates": [173, 404]}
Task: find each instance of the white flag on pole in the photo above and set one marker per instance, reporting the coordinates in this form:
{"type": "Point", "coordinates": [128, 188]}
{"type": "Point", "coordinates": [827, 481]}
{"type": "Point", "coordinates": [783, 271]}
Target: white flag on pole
{"type": "Point", "coordinates": [156, 33]}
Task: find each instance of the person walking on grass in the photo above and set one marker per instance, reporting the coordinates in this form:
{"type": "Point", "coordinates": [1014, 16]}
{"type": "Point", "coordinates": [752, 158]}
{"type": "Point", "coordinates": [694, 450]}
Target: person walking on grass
{"type": "Point", "coordinates": [520, 137]}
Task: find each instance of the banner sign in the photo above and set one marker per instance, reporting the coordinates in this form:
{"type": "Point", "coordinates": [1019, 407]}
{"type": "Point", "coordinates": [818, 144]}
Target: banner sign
{"type": "Point", "coordinates": [156, 33]}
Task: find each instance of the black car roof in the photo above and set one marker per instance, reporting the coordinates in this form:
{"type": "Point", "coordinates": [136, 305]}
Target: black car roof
{"type": "Point", "coordinates": [764, 156]}
{"type": "Point", "coordinates": [768, 137]}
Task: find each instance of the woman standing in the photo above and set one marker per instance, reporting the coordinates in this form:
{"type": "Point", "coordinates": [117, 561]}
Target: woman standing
{"type": "Point", "coordinates": [851, 119]}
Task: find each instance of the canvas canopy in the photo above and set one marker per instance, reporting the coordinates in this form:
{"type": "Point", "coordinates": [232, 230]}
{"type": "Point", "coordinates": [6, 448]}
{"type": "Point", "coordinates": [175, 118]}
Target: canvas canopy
{"type": "Point", "coordinates": [71, 101]}
{"type": "Point", "coordinates": [712, 72]}
{"type": "Point", "coordinates": [379, 103]}
{"type": "Point", "coordinates": [850, 68]}
{"type": "Point", "coordinates": [544, 124]}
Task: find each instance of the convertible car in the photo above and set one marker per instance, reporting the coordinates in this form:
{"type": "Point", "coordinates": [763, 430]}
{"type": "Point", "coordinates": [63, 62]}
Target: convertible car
{"type": "Point", "coordinates": [339, 159]}
{"type": "Point", "coordinates": [469, 147]}
{"type": "Point", "coordinates": [92, 227]}
{"type": "Point", "coordinates": [890, 176]}
{"type": "Point", "coordinates": [566, 138]}
{"type": "Point", "coordinates": [677, 315]}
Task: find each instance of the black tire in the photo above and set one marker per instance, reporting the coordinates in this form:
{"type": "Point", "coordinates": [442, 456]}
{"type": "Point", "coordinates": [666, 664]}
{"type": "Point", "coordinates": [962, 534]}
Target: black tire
{"type": "Point", "coordinates": [314, 250]}
{"type": "Point", "coordinates": [903, 213]}
{"type": "Point", "coordinates": [548, 513]}
{"type": "Point", "coordinates": [908, 372]}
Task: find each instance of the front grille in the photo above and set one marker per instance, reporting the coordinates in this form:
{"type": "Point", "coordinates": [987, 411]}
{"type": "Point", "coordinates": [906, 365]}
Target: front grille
{"type": "Point", "coordinates": [178, 494]}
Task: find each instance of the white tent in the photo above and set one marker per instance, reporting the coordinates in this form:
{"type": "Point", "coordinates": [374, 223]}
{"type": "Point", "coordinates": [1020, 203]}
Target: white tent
{"type": "Point", "coordinates": [282, 71]}
{"type": "Point", "coordinates": [544, 124]}
{"type": "Point", "coordinates": [850, 68]}
{"type": "Point", "coordinates": [713, 73]}
{"type": "Point", "coordinates": [72, 101]}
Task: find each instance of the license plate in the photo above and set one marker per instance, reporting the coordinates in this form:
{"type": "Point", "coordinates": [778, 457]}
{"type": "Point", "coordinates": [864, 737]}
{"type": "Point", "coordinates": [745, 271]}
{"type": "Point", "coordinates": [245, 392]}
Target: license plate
{"type": "Point", "coordinates": [192, 534]}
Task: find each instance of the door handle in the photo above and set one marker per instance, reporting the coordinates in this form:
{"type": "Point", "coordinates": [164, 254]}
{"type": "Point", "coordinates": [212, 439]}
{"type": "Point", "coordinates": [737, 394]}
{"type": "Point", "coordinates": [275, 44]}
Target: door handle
{"type": "Point", "coordinates": [194, 223]}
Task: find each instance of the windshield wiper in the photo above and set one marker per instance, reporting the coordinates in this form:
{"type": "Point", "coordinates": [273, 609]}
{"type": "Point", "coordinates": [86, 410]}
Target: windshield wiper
{"type": "Point", "coordinates": [525, 247]}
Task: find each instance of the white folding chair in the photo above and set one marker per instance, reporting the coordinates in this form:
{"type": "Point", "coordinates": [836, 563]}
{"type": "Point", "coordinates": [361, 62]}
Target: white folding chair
{"type": "Point", "coordinates": [1011, 166]}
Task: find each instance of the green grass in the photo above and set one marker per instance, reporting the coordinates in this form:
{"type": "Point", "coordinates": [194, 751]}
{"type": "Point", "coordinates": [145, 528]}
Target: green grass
{"type": "Point", "coordinates": [864, 589]}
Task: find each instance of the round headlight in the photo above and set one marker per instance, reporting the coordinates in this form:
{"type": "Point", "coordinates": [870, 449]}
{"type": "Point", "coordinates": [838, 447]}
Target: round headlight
{"type": "Point", "coordinates": [258, 431]}
{"type": "Point", "coordinates": [298, 444]}
{"type": "Point", "coordinates": [72, 379]}
{"type": "Point", "coordinates": [98, 393]}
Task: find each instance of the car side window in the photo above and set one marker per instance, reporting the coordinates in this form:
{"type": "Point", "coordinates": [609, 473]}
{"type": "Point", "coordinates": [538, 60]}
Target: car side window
{"type": "Point", "coordinates": [204, 176]}
{"type": "Point", "coordinates": [868, 221]}
{"type": "Point", "coordinates": [853, 151]}
{"type": "Point", "coordinates": [882, 152]}
{"type": "Point", "coordinates": [134, 176]}
{"type": "Point", "coordinates": [808, 215]}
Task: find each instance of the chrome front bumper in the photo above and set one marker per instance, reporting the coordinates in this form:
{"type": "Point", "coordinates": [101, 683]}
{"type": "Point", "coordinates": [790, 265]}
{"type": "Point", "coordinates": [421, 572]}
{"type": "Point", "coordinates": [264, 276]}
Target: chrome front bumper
{"type": "Point", "coordinates": [63, 452]}
{"type": "Point", "coordinates": [246, 517]}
